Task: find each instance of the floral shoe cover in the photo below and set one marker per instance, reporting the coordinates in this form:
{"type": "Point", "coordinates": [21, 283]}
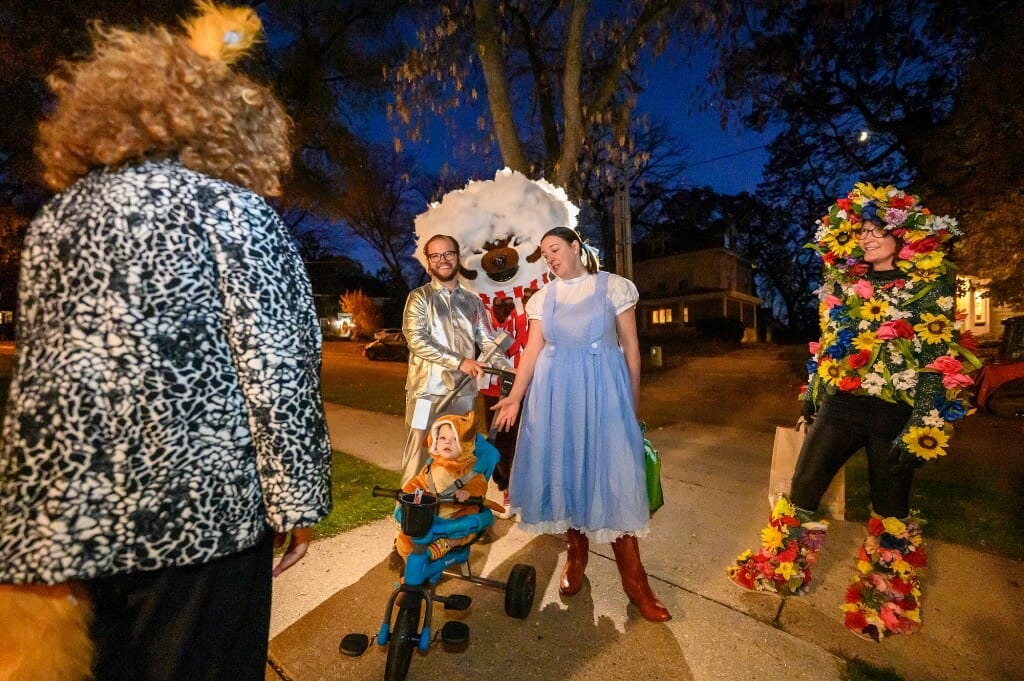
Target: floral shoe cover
{"type": "Point", "coordinates": [885, 599]}
{"type": "Point", "coordinates": [789, 547]}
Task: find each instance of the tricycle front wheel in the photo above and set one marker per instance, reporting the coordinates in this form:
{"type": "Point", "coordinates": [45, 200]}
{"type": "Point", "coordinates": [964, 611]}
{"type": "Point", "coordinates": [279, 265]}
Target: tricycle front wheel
{"type": "Point", "coordinates": [404, 640]}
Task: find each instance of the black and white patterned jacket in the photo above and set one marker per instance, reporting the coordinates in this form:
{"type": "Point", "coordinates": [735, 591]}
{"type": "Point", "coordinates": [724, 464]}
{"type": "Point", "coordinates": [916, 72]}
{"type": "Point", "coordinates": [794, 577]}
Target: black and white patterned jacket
{"type": "Point", "coordinates": [165, 407]}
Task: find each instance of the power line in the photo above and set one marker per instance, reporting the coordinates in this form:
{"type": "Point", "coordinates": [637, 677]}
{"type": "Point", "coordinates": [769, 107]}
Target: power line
{"type": "Point", "coordinates": [725, 156]}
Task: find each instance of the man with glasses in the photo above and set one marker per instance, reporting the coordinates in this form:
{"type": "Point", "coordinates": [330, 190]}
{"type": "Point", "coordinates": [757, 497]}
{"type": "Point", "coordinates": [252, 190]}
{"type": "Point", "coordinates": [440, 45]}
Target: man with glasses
{"type": "Point", "coordinates": [444, 324]}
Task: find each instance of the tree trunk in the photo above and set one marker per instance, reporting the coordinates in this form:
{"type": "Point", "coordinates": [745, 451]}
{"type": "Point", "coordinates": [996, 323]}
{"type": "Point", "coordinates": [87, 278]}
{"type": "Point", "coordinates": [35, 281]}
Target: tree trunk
{"type": "Point", "coordinates": [492, 62]}
{"type": "Point", "coordinates": [572, 137]}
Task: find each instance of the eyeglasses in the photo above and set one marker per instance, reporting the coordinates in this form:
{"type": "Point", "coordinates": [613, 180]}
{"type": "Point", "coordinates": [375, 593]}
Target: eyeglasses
{"type": "Point", "coordinates": [447, 255]}
{"type": "Point", "coordinates": [876, 231]}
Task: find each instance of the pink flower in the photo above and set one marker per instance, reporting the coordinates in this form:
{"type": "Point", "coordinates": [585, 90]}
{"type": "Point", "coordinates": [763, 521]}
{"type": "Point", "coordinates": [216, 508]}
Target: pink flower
{"type": "Point", "coordinates": [895, 216]}
{"type": "Point", "coordinates": [889, 616]}
{"type": "Point", "coordinates": [947, 365]}
{"type": "Point", "coordinates": [864, 289]}
{"type": "Point", "coordinates": [814, 346]}
{"type": "Point", "coordinates": [907, 252]}
{"type": "Point", "coordinates": [898, 328]}
{"type": "Point", "coordinates": [954, 381]}
{"type": "Point", "coordinates": [832, 301]}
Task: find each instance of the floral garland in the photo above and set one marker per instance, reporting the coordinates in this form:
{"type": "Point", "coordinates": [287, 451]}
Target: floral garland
{"type": "Point", "coordinates": [789, 547]}
{"type": "Point", "coordinates": [837, 238]}
{"type": "Point", "coordinates": [881, 337]}
{"type": "Point", "coordinates": [885, 597]}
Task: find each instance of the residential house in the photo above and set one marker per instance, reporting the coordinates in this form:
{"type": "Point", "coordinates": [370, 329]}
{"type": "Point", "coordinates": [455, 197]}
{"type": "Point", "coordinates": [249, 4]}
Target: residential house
{"type": "Point", "coordinates": [681, 291]}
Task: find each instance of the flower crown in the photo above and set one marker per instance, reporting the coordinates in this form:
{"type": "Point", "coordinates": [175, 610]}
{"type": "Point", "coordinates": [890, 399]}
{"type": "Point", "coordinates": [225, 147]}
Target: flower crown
{"type": "Point", "coordinates": [923, 236]}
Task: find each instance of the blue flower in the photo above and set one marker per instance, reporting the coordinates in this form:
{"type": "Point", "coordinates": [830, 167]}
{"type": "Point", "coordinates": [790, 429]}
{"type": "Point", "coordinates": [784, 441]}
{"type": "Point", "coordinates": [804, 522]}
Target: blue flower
{"type": "Point", "coordinates": [839, 314]}
{"type": "Point", "coordinates": [869, 212]}
{"type": "Point", "coordinates": [950, 410]}
{"type": "Point", "coordinates": [845, 337]}
{"type": "Point", "coordinates": [812, 366]}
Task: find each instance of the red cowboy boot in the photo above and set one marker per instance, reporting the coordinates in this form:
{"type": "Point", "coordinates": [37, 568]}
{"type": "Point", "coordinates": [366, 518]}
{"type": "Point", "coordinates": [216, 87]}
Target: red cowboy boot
{"type": "Point", "coordinates": [634, 580]}
{"type": "Point", "coordinates": [575, 563]}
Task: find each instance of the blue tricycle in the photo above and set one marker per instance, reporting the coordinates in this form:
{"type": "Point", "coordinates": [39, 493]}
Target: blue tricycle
{"type": "Point", "coordinates": [409, 610]}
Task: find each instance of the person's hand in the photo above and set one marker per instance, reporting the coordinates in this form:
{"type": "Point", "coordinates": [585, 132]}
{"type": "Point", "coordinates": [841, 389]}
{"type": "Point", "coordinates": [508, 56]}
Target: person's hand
{"type": "Point", "coordinates": [471, 367]}
{"type": "Point", "coordinates": [901, 459]}
{"type": "Point", "coordinates": [298, 541]}
{"type": "Point", "coordinates": [461, 494]}
{"type": "Point", "coordinates": [807, 411]}
{"type": "Point", "coordinates": [506, 410]}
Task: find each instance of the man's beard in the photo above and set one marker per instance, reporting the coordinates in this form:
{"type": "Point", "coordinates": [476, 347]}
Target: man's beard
{"type": "Point", "coordinates": [446, 277]}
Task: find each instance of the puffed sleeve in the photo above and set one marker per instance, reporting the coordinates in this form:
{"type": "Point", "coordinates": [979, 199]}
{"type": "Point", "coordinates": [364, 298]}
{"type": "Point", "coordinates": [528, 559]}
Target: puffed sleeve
{"type": "Point", "coordinates": [272, 330]}
{"type": "Point", "coordinates": [622, 292]}
{"type": "Point", "coordinates": [535, 305]}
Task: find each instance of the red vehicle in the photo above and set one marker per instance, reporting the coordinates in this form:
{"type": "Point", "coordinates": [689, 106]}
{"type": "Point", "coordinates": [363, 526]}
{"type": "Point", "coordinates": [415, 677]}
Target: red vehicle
{"type": "Point", "coordinates": [1001, 382]}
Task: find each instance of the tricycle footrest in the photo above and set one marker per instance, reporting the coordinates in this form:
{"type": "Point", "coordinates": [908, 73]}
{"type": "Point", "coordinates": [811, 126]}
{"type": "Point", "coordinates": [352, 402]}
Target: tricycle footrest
{"type": "Point", "coordinates": [454, 633]}
{"type": "Point", "coordinates": [456, 602]}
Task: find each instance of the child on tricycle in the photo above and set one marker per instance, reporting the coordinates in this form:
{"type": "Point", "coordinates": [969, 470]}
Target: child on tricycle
{"type": "Point", "coordinates": [450, 472]}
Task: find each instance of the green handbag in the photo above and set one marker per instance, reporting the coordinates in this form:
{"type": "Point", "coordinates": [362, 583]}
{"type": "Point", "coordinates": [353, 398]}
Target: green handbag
{"type": "Point", "coordinates": [652, 468]}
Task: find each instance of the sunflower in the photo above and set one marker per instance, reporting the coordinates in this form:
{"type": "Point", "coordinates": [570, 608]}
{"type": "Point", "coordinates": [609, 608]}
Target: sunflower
{"type": "Point", "coordinates": [865, 340]}
{"type": "Point", "coordinates": [918, 275]}
{"type": "Point", "coordinates": [926, 442]}
{"type": "Point", "coordinates": [873, 309]}
{"type": "Point", "coordinates": [830, 371]}
{"type": "Point", "coordinates": [842, 241]}
{"type": "Point", "coordinates": [935, 328]}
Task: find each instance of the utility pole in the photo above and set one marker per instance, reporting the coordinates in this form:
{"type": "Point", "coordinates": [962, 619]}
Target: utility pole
{"type": "Point", "coordinates": [623, 223]}
{"type": "Point", "coordinates": [621, 213]}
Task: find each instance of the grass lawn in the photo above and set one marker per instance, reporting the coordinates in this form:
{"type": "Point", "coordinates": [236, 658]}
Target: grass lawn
{"type": "Point", "coordinates": [352, 480]}
{"type": "Point", "coordinates": [974, 505]}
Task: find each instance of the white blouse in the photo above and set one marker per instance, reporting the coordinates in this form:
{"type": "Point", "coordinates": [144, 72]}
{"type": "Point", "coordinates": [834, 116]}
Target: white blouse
{"type": "Point", "coordinates": [621, 291]}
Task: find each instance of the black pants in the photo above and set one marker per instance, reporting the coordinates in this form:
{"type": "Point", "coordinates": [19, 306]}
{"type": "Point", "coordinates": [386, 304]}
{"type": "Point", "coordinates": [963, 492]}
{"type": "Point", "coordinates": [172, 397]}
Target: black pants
{"type": "Point", "coordinates": [844, 424]}
{"type": "Point", "coordinates": [504, 442]}
{"type": "Point", "coordinates": [199, 622]}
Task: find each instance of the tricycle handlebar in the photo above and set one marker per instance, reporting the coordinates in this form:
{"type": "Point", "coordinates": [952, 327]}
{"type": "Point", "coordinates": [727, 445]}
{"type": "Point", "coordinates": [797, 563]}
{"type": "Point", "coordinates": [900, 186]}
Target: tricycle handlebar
{"type": "Point", "coordinates": [392, 493]}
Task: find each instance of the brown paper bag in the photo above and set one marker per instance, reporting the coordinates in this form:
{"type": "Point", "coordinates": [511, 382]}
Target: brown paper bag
{"type": "Point", "coordinates": [785, 451]}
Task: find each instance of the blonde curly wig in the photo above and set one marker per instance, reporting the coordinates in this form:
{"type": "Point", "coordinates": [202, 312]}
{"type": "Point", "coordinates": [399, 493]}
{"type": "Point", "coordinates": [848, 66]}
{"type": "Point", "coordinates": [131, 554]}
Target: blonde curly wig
{"type": "Point", "coordinates": [149, 93]}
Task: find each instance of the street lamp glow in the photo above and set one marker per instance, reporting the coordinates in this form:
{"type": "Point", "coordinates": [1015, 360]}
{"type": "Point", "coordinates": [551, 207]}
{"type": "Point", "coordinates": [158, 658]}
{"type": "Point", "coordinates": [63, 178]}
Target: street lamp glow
{"type": "Point", "coordinates": [863, 136]}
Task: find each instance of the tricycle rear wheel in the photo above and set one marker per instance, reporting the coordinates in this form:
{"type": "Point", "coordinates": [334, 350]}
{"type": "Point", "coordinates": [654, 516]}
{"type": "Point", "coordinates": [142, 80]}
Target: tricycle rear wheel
{"type": "Point", "coordinates": [404, 639]}
{"type": "Point", "coordinates": [519, 590]}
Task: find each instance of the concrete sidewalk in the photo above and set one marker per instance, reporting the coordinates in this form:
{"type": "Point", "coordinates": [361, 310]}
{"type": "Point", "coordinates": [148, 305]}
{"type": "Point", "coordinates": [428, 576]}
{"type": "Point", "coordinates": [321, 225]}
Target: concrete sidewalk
{"type": "Point", "coordinates": [715, 480]}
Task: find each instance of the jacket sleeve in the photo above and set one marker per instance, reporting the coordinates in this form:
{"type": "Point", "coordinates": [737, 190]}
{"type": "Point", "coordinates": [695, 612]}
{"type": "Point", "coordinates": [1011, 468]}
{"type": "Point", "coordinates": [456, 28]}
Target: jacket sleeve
{"type": "Point", "coordinates": [271, 328]}
{"type": "Point", "coordinates": [484, 335]}
{"type": "Point", "coordinates": [929, 384]}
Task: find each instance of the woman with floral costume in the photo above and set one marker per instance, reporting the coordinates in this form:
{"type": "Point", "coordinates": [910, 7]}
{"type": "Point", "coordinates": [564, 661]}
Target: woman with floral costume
{"type": "Point", "coordinates": [888, 374]}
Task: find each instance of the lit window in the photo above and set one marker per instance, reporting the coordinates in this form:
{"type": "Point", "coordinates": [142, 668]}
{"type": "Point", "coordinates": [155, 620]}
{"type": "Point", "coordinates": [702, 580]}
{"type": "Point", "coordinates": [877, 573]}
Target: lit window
{"type": "Point", "coordinates": [662, 315]}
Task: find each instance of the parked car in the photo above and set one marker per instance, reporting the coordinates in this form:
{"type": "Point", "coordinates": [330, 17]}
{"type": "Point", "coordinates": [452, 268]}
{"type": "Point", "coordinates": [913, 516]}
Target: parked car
{"type": "Point", "coordinates": [1000, 386]}
{"type": "Point", "coordinates": [387, 347]}
{"type": "Point", "coordinates": [380, 333]}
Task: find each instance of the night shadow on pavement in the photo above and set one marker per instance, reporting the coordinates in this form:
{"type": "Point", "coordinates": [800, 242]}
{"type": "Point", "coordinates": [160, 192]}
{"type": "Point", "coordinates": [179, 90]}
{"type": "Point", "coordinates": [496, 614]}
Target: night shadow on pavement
{"type": "Point", "coordinates": [561, 639]}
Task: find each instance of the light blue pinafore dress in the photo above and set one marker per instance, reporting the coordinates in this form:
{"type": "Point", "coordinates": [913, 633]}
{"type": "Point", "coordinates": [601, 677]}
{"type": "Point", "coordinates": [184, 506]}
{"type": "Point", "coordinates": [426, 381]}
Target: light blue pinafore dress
{"type": "Point", "coordinates": [579, 456]}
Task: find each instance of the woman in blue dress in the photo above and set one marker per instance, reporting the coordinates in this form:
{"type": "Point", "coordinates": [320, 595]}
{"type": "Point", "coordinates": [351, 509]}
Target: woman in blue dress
{"type": "Point", "coordinates": [579, 462]}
